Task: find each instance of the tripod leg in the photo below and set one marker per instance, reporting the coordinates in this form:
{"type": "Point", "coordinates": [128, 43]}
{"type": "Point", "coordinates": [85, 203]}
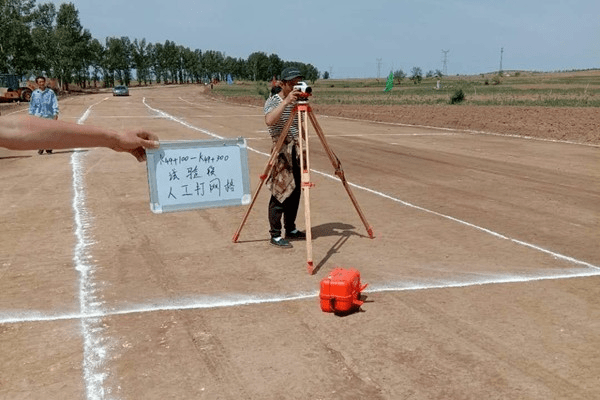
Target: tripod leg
{"type": "Point", "coordinates": [306, 184]}
{"type": "Point", "coordinates": [337, 165]}
{"type": "Point", "coordinates": [274, 154]}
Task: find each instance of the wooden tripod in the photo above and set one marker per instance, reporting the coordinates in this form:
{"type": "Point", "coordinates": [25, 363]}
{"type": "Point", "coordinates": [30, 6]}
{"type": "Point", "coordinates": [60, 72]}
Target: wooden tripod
{"type": "Point", "coordinates": [305, 114]}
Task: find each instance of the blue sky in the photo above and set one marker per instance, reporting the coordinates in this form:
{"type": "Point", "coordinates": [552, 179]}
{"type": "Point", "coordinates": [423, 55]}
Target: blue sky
{"type": "Point", "coordinates": [367, 38]}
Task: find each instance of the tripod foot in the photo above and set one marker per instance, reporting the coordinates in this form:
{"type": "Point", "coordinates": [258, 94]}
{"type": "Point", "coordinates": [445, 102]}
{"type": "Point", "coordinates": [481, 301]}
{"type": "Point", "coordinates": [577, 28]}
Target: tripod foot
{"type": "Point", "coordinates": [235, 237]}
{"type": "Point", "coordinates": [310, 267]}
{"type": "Point", "coordinates": [370, 232]}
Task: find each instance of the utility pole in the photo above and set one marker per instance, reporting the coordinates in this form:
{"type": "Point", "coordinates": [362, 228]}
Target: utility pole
{"type": "Point", "coordinates": [501, 52]}
{"type": "Point", "coordinates": [445, 61]}
{"type": "Point", "coordinates": [378, 68]}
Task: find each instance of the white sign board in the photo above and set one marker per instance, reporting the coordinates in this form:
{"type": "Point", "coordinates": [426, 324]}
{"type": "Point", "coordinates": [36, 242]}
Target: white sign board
{"type": "Point", "coordinates": [185, 175]}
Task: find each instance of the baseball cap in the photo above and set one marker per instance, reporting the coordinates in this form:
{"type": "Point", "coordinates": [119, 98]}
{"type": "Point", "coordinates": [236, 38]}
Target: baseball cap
{"type": "Point", "coordinates": [290, 73]}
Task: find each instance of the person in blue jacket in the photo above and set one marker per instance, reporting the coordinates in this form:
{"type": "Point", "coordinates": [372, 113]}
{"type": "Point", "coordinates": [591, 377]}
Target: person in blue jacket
{"type": "Point", "coordinates": [43, 104]}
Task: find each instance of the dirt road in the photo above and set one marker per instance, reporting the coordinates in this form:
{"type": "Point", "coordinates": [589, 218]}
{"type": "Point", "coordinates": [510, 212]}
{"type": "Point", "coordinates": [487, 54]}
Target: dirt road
{"type": "Point", "coordinates": [483, 277]}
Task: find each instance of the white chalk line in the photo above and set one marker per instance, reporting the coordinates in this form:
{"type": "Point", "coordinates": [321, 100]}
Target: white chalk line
{"type": "Point", "coordinates": [94, 349]}
{"type": "Point", "coordinates": [225, 116]}
{"type": "Point", "coordinates": [342, 135]}
{"type": "Point", "coordinates": [482, 229]}
{"type": "Point", "coordinates": [395, 134]}
{"type": "Point", "coordinates": [91, 312]}
{"type": "Point", "coordinates": [237, 300]}
{"type": "Point", "coordinates": [405, 203]}
{"type": "Point", "coordinates": [18, 111]}
{"type": "Point", "coordinates": [472, 132]}
{"type": "Point", "coordinates": [125, 117]}
{"type": "Point", "coordinates": [204, 105]}
{"type": "Point", "coordinates": [458, 130]}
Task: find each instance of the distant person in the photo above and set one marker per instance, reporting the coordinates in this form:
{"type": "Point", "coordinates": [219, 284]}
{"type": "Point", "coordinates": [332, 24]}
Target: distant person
{"type": "Point", "coordinates": [285, 180]}
{"type": "Point", "coordinates": [43, 104]}
{"type": "Point", "coordinates": [23, 132]}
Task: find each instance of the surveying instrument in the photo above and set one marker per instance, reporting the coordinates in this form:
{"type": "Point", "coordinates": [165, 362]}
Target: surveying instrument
{"type": "Point", "coordinates": [305, 113]}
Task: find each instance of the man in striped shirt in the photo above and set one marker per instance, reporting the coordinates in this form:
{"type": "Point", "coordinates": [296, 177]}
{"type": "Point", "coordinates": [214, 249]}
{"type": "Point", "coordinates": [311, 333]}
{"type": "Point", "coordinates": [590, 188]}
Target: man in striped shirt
{"type": "Point", "coordinates": [284, 181]}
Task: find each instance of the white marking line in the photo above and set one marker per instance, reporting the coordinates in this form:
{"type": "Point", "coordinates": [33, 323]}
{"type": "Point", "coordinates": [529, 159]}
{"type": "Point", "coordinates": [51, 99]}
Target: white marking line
{"type": "Point", "coordinates": [175, 119]}
{"type": "Point", "coordinates": [196, 104]}
{"type": "Point", "coordinates": [122, 117]}
{"type": "Point", "coordinates": [394, 134]}
{"type": "Point", "coordinates": [386, 196]}
{"type": "Point", "coordinates": [236, 300]}
{"type": "Point", "coordinates": [472, 132]}
{"type": "Point", "coordinates": [367, 135]}
{"type": "Point", "coordinates": [226, 116]}
{"type": "Point", "coordinates": [459, 130]}
{"type": "Point", "coordinates": [94, 351]}
{"type": "Point", "coordinates": [18, 111]}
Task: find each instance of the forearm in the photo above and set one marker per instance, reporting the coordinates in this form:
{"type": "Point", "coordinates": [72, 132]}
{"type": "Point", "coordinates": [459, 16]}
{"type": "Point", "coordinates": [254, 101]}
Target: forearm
{"type": "Point", "coordinates": [275, 114]}
{"type": "Point", "coordinates": [30, 133]}
{"type": "Point", "coordinates": [55, 108]}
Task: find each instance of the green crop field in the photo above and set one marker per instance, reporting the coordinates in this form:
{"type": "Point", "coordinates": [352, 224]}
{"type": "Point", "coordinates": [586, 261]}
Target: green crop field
{"type": "Point", "coordinates": [557, 89]}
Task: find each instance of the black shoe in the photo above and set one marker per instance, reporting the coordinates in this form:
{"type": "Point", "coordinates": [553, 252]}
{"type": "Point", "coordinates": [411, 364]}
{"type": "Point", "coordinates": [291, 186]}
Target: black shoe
{"type": "Point", "coordinates": [295, 235]}
{"type": "Point", "coordinates": [40, 152]}
{"type": "Point", "coordinates": [280, 242]}
{"type": "Point", "coordinates": [49, 151]}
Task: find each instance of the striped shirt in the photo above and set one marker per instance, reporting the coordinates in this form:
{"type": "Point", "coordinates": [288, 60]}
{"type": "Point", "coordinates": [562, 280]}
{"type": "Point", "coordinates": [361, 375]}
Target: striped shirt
{"type": "Point", "coordinates": [275, 130]}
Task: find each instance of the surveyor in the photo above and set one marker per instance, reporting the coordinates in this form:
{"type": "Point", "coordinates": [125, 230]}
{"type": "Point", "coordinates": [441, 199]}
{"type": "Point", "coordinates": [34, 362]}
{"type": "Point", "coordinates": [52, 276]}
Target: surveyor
{"type": "Point", "coordinates": [285, 180]}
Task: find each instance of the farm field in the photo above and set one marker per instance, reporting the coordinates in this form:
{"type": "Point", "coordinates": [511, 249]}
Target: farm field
{"type": "Point", "coordinates": [555, 106]}
{"type": "Point", "coordinates": [483, 276]}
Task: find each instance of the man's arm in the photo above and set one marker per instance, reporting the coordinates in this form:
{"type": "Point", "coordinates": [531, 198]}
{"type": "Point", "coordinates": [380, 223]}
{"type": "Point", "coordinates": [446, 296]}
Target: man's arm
{"type": "Point", "coordinates": [30, 133]}
{"type": "Point", "coordinates": [274, 115]}
{"type": "Point", "coordinates": [32, 103]}
{"type": "Point", "coordinates": [54, 105]}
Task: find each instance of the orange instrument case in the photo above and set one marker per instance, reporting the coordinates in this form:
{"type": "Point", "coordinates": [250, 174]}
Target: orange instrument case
{"type": "Point", "coordinates": [340, 291]}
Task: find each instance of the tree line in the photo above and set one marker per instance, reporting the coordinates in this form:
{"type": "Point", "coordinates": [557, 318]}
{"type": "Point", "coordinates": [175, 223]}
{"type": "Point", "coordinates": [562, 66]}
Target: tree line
{"type": "Point", "coordinates": [39, 39]}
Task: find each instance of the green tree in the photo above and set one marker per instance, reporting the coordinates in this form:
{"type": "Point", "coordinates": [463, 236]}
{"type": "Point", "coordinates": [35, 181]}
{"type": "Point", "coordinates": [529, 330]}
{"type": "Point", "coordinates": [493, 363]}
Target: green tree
{"type": "Point", "coordinates": [275, 66]}
{"type": "Point", "coordinates": [310, 72]}
{"type": "Point", "coordinates": [126, 60]}
{"type": "Point", "coordinates": [258, 64]}
{"type": "Point", "coordinates": [416, 75]}
{"type": "Point", "coordinates": [212, 61]}
{"type": "Point", "coordinates": [72, 44]}
{"type": "Point", "coordinates": [399, 75]}
{"type": "Point", "coordinates": [44, 38]}
{"type": "Point", "coordinates": [141, 60]}
{"type": "Point", "coordinates": [170, 61]}
{"type": "Point", "coordinates": [457, 97]}
{"type": "Point", "coordinates": [197, 70]}
{"type": "Point", "coordinates": [157, 62]}
{"type": "Point", "coordinates": [96, 60]}
{"type": "Point", "coordinates": [16, 45]}
{"type": "Point", "coordinates": [242, 70]}
{"type": "Point", "coordinates": [118, 60]}
{"type": "Point", "coordinates": [230, 67]}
